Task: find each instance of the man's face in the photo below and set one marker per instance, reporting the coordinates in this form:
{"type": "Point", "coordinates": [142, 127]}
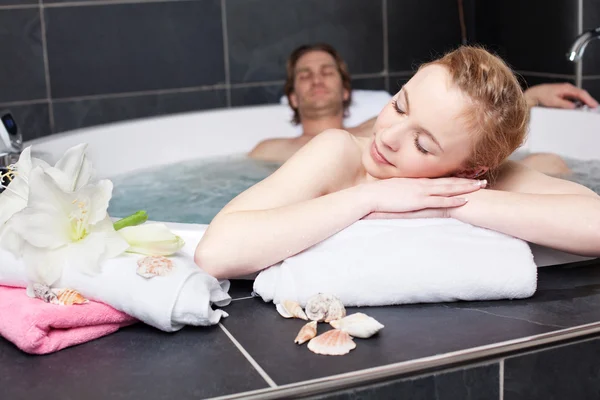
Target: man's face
{"type": "Point", "coordinates": [318, 88]}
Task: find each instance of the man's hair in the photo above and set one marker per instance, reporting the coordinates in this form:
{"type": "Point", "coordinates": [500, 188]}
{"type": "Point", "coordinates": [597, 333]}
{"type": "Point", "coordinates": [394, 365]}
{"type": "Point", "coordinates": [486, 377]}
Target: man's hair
{"type": "Point", "coordinates": [291, 73]}
{"type": "Point", "coordinates": [498, 115]}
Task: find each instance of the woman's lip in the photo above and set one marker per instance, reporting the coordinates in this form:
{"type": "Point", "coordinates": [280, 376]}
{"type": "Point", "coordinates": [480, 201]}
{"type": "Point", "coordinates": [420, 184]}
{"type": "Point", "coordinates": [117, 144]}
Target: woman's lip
{"type": "Point", "coordinates": [377, 156]}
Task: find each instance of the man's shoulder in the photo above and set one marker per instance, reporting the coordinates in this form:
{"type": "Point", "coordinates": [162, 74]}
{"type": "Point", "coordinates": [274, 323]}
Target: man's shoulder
{"type": "Point", "coordinates": [273, 149]}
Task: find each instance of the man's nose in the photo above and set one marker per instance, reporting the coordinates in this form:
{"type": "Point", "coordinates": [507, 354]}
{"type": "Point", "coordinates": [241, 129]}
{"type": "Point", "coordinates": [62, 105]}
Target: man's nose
{"type": "Point", "coordinates": [317, 79]}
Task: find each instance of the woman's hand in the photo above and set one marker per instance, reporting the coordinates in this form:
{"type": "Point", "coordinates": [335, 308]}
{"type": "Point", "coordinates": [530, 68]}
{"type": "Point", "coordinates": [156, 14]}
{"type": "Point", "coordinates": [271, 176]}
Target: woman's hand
{"type": "Point", "coordinates": [558, 95]}
{"type": "Point", "coordinates": [402, 195]}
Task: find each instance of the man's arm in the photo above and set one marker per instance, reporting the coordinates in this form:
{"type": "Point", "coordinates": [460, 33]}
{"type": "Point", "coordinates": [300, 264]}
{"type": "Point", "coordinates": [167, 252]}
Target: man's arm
{"type": "Point", "coordinates": [558, 95]}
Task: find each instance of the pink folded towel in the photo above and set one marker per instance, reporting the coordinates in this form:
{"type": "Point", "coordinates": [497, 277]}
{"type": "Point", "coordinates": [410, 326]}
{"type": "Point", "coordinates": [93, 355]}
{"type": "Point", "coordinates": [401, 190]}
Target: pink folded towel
{"type": "Point", "coordinates": [37, 327]}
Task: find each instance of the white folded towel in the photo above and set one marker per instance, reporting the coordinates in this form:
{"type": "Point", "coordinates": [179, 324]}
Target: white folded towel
{"type": "Point", "coordinates": [385, 262]}
{"type": "Point", "coordinates": [183, 297]}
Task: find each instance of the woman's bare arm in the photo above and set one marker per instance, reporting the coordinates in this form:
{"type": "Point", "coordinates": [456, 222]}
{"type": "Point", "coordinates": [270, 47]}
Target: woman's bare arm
{"type": "Point", "coordinates": [538, 208]}
{"type": "Point", "coordinates": [287, 212]}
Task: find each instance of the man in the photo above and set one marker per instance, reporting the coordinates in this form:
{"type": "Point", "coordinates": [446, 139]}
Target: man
{"type": "Point", "coordinates": [319, 91]}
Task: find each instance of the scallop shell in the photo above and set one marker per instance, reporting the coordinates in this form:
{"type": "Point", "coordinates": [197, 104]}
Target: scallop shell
{"type": "Point", "coordinates": [325, 307]}
{"type": "Point", "coordinates": [151, 266]}
{"type": "Point", "coordinates": [332, 343]}
{"type": "Point", "coordinates": [291, 309]}
{"type": "Point", "coordinates": [69, 297]}
{"type": "Point", "coordinates": [307, 332]}
{"type": "Point", "coordinates": [358, 325]}
{"type": "Point", "coordinates": [44, 293]}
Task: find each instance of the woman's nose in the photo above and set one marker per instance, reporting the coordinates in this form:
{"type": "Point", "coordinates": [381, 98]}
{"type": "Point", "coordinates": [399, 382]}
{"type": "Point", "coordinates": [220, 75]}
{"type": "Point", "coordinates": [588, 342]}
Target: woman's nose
{"type": "Point", "coordinates": [393, 136]}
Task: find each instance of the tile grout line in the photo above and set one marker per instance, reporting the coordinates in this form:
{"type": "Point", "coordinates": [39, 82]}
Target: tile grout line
{"type": "Point", "coordinates": [163, 91]}
{"type": "Point", "coordinates": [80, 3]}
{"type": "Point", "coordinates": [501, 378]}
{"type": "Point", "coordinates": [46, 66]}
{"type": "Point", "coordinates": [243, 298]}
{"type": "Point", "coordinates": [579, 64]}
{"type": "Point", "coordinates": [545, 74]}
{"type": "Point", "coordinates": [23, 102]}
{"type": "Point", "coordinates": [507, 316]}
{"type": "Point", "coordinates": [251, 360]}
{"type": "Point", "coordinates": [385, 45]}
{"type": "Point", "coordinates": [401, 74]}
{"type": "Point", "coordinates": [226, 52]}
{"type": "Point", "coordinates": [19, 7]}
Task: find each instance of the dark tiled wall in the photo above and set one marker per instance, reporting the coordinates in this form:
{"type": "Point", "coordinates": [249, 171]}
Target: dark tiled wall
{"type": "Point", "coordinates": [591, 61]}
{"type": "Point", "coordinates": [470, 383]}
{"type": "Point", "coordinates": [569, 371]}
{"type": "Point", "coordinates": [76, 63]}
{"type": "Point", "coordinates": [535, 35]}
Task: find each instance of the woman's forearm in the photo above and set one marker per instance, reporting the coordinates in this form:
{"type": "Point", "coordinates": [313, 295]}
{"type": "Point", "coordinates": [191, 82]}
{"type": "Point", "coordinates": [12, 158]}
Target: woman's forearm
{"type": "Point", "coordinates": [567, 222]}
{"type": "Point", "coordinates": [244, 242]}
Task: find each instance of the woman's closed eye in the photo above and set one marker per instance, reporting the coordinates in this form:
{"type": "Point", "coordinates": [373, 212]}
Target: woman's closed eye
{"type": "Point", "coordinates": [418, 145]}
{"type": "Point", "coordinates": [397, 107]}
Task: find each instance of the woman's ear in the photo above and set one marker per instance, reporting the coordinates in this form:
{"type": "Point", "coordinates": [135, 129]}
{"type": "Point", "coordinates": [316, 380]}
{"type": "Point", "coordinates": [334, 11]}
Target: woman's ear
{"type": "Point", "coordinates": [472, 173]}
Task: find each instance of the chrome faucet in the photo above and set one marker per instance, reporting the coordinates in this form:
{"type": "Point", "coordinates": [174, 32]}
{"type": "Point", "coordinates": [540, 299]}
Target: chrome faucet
{"type": "Point", "coordinates": [11, 145]}
{"type": "Point", "coordinates": [578, 48]}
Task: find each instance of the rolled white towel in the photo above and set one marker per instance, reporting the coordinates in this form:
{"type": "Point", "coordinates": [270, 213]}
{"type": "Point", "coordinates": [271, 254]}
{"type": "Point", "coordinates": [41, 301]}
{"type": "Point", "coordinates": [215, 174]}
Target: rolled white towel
{"type": "Point", "coordinates": [183, 297]}
{"type": "Point", "coordinates": [385, 262]}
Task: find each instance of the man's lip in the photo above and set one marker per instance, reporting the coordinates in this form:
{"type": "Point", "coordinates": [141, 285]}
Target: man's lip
{"type": "Point", "coordinates": [378, 153]}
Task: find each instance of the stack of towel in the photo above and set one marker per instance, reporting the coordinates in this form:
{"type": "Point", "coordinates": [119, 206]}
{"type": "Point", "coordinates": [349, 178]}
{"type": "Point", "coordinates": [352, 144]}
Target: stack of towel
{"type": "Point", "coordinates": [41, 328]}
{"type": "Point", "coordinates": [183, 297]}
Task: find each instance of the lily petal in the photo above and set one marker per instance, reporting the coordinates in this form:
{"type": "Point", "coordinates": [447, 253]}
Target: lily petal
{"type": "Point", "coordinates": [44, 265]}
{"type": "Point", "coordinates": [151, 239]}
{"type": "Point", "coordinates": [98, 197]}
{"type": "Point", "coordinates": [115, 244]}
{"type": "Point", "coordinates": [86, 254]}
{"type": "Point", "coordinates": [11, 241]}
{"type": "Point", "coordinates": [14, 199]}
{"type": "Point", "coordinates": [39, 228]}
{"type": "Point", "coordinates": [74, 169]}
{"type": "Point", "coordinates": [46, 195]}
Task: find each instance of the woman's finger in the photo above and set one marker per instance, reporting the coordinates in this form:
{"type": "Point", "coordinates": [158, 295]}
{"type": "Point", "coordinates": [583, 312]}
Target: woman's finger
{"type": "Point", "coordinates": [455, 189]}
{"type": "Point", "coordinates": [444, 202]}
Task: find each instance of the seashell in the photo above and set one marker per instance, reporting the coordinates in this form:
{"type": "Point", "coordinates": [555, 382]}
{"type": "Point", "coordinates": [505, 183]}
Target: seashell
{"type": "Point", "coordinates": [69, 297]}
{"type": "Point", "coordinates": [307, 332]}
{"type": "Point", "coordinates": [324, 307]}
{"type": "Point", "coordinates": [358, 325]}
{"type": "Point", "coordinates": [151, 266]}
{"type": "Point", "coordinates": [44, 293]}
{"type": "Point", "coordinates": [291, 309]}
{"type": "Point", "coordinates": [332, 343]}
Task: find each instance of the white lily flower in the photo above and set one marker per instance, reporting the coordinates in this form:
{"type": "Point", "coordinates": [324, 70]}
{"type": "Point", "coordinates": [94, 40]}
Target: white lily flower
{"type": "Point", "coordinates": [71, 172]}
{"type": "Point", "coordinates": [151, 239]}
{"type": "Point", "coordinates": [60, 228]}
{"type": "Point", "coordinates": [14, 198]}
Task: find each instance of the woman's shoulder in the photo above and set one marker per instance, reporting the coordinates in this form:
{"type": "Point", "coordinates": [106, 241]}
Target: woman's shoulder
{"type": "Point", "coordinates": [336, 143]}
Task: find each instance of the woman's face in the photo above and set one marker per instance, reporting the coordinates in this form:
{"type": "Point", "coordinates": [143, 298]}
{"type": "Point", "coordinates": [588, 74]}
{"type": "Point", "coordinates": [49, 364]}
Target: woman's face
{"type": "Point", "coordinates": [420, 133]}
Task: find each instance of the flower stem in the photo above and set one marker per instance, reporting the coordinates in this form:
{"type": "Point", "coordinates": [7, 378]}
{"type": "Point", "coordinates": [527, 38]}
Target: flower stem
{"type": "Point", "coordinates": [137, 218]}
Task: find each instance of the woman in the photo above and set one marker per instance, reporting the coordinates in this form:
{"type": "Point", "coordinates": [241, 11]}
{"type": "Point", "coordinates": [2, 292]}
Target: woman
{"type": "Point", "coordinates": [455, 122]}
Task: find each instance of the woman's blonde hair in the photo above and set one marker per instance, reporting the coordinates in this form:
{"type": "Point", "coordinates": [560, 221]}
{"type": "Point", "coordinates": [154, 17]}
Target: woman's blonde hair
{"type": "Point", "coordinates": [499, 115]}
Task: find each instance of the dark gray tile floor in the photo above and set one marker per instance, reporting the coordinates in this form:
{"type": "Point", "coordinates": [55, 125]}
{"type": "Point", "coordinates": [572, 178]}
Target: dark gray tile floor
{"type": "Point", "coordinates": [140, 361]}
{"type": "Point", "coordinates": [410, 332]}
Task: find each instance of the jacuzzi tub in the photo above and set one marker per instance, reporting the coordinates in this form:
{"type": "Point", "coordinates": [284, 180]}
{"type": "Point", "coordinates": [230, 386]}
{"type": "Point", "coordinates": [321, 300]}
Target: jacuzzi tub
{"type": "Point", "coordinates": [133, 145]}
